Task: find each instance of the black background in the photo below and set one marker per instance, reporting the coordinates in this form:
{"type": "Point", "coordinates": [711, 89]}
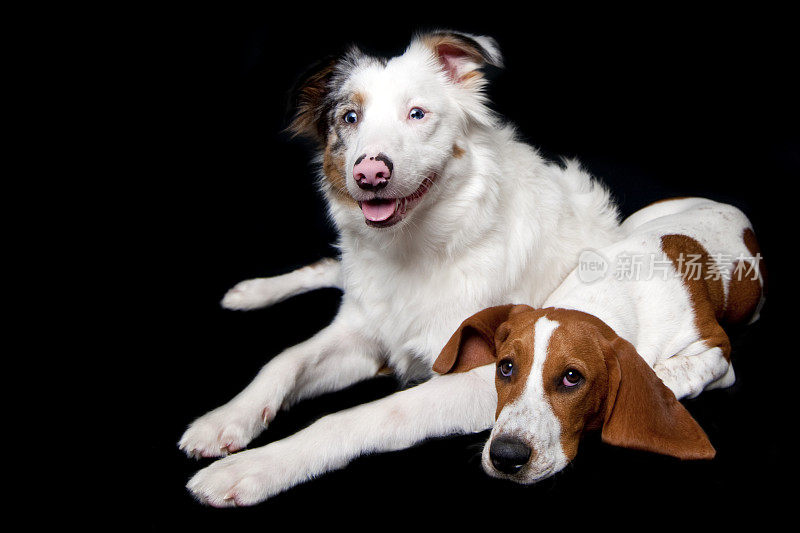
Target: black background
{"type": "Point", "coordinates": [653, 103]}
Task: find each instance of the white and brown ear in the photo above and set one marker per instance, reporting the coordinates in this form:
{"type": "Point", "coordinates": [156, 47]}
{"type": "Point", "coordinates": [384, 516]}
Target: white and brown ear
{"type": "Point", "coordinates": [461, 54]}
{"type": "Point", "coordinates": [642, 413]}
{"type": "Point", "coordinates": [473, 343]}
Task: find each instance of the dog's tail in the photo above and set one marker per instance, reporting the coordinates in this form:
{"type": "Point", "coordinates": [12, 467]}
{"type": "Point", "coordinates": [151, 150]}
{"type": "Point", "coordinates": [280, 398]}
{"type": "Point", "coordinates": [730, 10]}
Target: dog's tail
{"type": "Point", "coordinates": [262, 292]}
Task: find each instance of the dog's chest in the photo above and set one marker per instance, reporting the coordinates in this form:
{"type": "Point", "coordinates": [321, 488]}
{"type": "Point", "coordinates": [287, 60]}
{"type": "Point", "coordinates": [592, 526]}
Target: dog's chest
{"type": "Point", "coordinates": [411, 312]}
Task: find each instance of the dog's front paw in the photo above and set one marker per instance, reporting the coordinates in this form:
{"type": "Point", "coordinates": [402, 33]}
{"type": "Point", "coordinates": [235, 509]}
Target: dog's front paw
{"type": "Point", "coordinates": [250, 294]}
{"type": "Point", "coordinates": [224, 430]}
{"type": "Point", "coordinates": [245, 478]}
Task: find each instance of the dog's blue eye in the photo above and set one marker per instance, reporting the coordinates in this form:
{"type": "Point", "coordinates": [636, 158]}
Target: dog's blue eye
{"type": "Point", "coordinates": [351, 117]}
{"type": "Point", "coordinates": [505, 368]}
{"type": "Point", "coordinates": [416, 113]}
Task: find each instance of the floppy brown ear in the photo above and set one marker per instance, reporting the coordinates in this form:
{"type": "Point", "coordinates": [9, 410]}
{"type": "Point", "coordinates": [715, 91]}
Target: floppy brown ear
{"type": "Point", "coordinates": [473, 345]}
{"type": "Point", "coordinates": [643, 414]}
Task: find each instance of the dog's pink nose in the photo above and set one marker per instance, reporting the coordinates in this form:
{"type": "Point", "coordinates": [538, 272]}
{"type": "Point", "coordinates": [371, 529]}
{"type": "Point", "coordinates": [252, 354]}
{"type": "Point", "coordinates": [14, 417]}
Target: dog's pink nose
{"type": "Point", "coordinates": [372, 171]}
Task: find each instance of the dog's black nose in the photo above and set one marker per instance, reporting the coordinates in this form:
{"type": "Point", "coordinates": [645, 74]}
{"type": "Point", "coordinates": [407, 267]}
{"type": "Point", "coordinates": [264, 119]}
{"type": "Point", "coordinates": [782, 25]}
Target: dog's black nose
{"type": "Point", "coordinates": [509, 454]}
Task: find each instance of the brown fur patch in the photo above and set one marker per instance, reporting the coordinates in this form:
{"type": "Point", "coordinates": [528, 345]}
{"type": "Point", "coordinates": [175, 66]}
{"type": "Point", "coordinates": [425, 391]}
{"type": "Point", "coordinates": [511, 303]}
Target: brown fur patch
{"type": "Point", "coordinates": [707, 295]}
{"type": "Point", "coordinates": [643, 414]}
{"type": "Point", "coordinates": [751, 243]}
{"type": "Point", "coordinates": [458, 152]}
{"type": "Point", "coordinates": [744, 293]}
{"type": "Point", "coordinates": [333, 164]}
{"type": "Point", "coordinates": [473, 343]}
{"type": "Point", "coordinates": [385, 370]}
{"type": "Point", "coordinates": [745, 290]}
{"type": "Point", "coordinates": [309, 120]}
{"type": "Point", "coordinates": [471, 76]}
{"type": "Point", "coordinates": [359, 99]}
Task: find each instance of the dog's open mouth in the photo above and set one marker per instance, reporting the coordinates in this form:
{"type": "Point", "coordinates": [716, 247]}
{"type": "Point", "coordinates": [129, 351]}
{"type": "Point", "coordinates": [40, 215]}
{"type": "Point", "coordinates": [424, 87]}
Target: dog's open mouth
{"type": "Point", "coordinates": [385, 212]}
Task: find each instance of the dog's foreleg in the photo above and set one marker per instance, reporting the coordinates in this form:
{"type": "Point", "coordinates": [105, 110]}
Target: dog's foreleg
{"type": "Point", "coordinates": [263, 292]}
{"type": "Point", "coordinates": [334, 358]}
{"type": "Point", "coordinates": [445, 405]}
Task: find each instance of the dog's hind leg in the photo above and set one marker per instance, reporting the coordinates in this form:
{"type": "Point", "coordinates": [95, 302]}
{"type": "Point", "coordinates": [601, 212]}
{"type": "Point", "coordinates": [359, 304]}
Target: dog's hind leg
{"type": "Point", "coordinates": [263, 292]}
{"type": "Point", "coordinates": [445, 405]}
{"type": "Point", "coordinates": [334, 358]}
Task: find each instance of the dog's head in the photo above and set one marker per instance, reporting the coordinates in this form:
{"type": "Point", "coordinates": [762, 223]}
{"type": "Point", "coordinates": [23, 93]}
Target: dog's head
{"type": "Point", "coordinates": [387, 129]}
{"type": "Point", "coordinates": [559, 373]}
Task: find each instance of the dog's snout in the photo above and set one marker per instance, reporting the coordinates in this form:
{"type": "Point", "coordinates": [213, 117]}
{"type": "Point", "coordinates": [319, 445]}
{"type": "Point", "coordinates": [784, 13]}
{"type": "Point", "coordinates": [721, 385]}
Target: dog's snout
{"type": "Point", "coordinates": [372, 172]}
{"type": "Point", "coordinates": [509, 454]}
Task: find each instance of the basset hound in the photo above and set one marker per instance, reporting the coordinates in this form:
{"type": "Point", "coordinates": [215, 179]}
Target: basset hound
{"type": "Point", "coordinates": [635, 328]}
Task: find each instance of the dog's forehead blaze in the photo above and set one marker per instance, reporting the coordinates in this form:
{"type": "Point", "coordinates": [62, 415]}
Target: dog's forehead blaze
{"type": "Point", "coordinates": [577, 340]}
{"type": "Point", "coordinates": [519, 346]}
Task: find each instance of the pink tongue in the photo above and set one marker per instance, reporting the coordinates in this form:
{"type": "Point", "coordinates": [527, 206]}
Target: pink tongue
{"type": "Point", "coordinates": [378, 210]}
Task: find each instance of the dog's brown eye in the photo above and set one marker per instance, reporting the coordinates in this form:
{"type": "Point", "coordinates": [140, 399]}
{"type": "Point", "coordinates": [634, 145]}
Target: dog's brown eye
{"type": "Point", "coordinates": [505, 368]}
{"type": "Point", "coordinates": [571, 378]}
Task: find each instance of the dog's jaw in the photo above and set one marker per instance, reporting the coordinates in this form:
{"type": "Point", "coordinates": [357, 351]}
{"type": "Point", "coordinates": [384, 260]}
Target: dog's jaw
{"type": "Point", "coordinates": [377, 212]}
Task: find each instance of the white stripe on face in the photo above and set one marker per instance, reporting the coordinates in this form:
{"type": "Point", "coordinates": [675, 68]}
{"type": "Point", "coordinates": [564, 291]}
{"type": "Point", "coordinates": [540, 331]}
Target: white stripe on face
{"type": "Point", "coordinates": [530, 418]}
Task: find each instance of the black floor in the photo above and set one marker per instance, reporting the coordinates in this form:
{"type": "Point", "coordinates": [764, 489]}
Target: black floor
{"type": "Point", "coordinates": [672, 105]}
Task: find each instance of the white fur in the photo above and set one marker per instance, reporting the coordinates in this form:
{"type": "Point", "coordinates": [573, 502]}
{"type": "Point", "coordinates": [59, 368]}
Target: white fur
{"type": "Point", "coordinates": [499, 225]}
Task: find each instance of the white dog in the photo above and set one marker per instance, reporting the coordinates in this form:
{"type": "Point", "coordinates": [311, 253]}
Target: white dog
{"type": "Point", "coordinates": [441, 212]}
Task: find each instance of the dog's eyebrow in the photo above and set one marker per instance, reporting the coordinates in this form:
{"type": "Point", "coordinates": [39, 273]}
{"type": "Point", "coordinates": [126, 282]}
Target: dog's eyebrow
{"type": "Point", "coordinates": [358, 98]}
{"type": "Point", "coordinates": [518, 346]}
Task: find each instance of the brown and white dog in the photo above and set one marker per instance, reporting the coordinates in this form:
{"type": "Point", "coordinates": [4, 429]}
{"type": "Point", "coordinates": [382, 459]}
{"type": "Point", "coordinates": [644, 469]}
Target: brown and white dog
{"type": "Point", "coordinates": [616, 351]}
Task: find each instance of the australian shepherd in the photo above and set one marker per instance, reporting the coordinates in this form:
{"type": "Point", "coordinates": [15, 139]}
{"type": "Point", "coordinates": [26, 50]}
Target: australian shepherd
{"type": "Point", "coordinates": [441, 211]}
